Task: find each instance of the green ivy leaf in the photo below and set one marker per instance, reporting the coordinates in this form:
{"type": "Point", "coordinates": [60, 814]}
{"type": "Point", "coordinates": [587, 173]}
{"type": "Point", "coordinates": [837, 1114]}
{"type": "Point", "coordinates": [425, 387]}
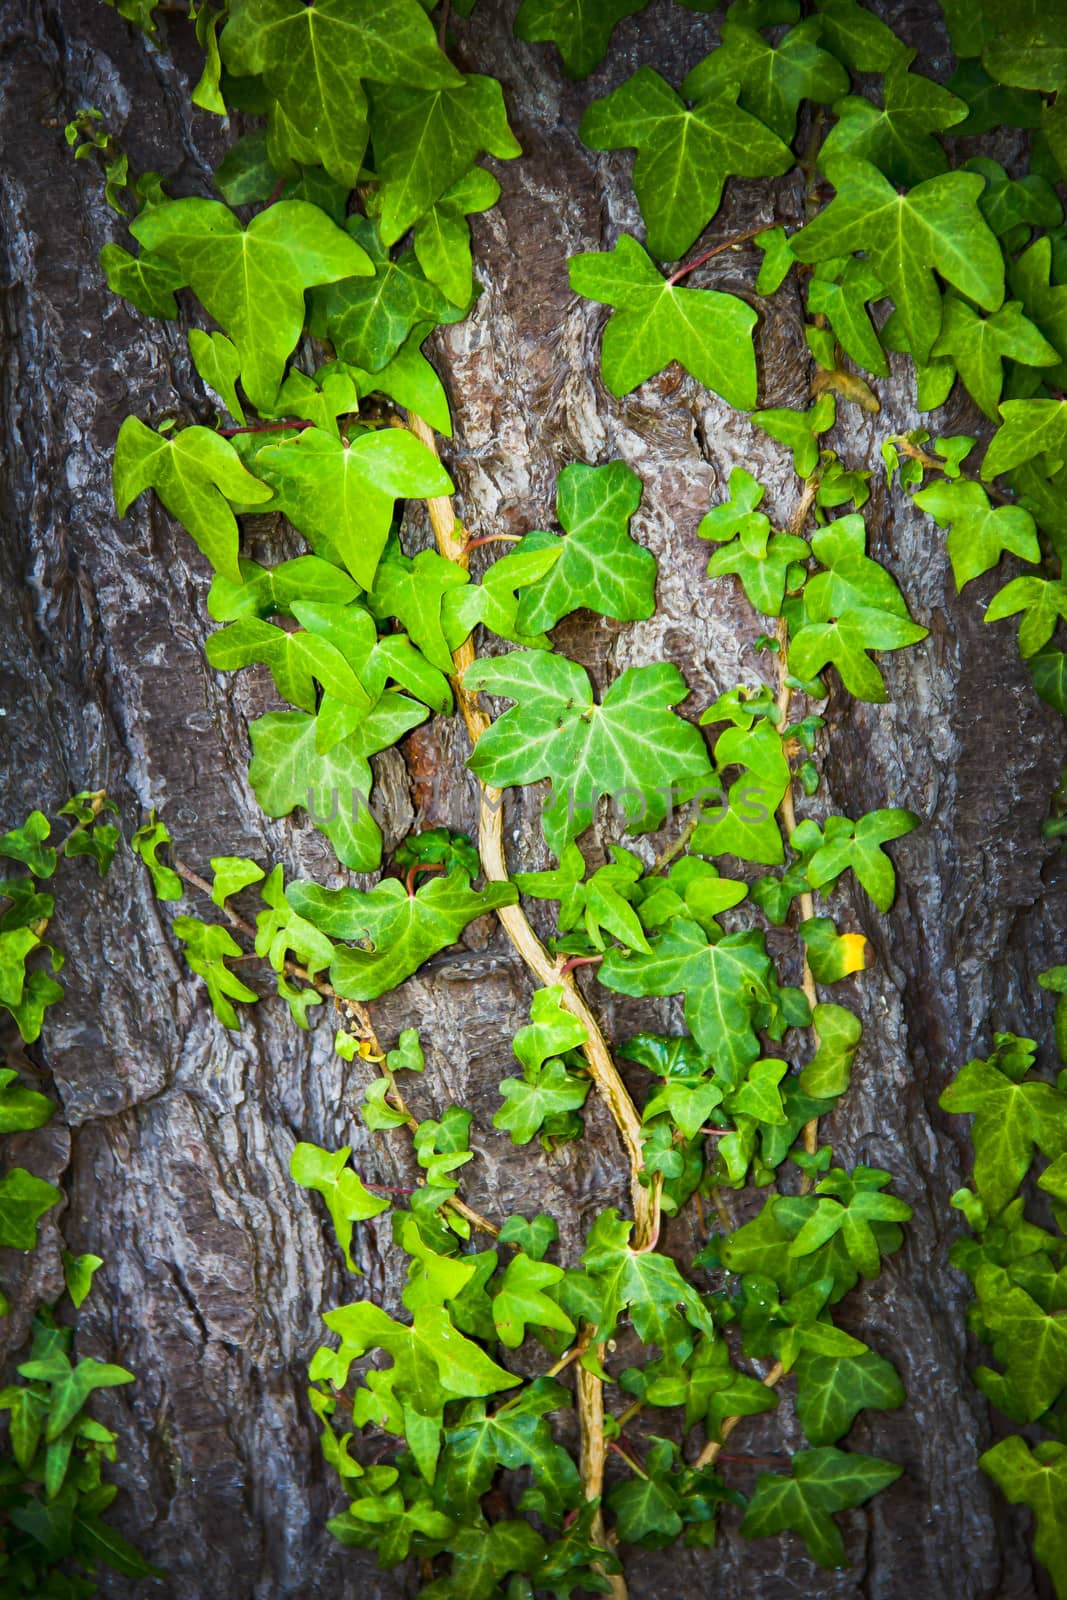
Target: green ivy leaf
{"type": "Point", "coordinates": [296, 661]}
{"type": "Point", "coordinates": [832, 1390]}
{"type": "Point", "coordinates": [759, 558]}
{"type": "Point", "coordinates": [600, 905]}
{"type": "Point", "coordinates": [427, 139]}
{"type": "Point", "coordinates": [724, 982]}
{"type": "Point", "coordinates": [774, 79]}
{"type": "Point", "coordinates": [541, 1094]}
{"type": "Point", "coordinates": [442, 238]}
{"type": "Point", "coordinates": [838, 1032]}
{"type": "Point", "coordinates": [482, 1557]}
{"type": "Point", "coordinates": [857, 37]}
{"type": "Point", "coordinates": [841, 290]}
{"type": "Point", "coordinates": [78, 1273]}
{"type": "Point", "coordinates": [341, 495]}
{"type": "Point", "coordinates": [206, 949]}
{"type": "Point", "coordinates": [800, 430]}
{"type": "Point", "coordinates": [600, 567]}
{"type": "Point", "coordinates": [70, 1386]}
{"type": "Point", "coordinates": [147, 843]}
{"type": "Point", "coordinates": [979, 534]}
{"type": "Point", "coordinates": [657, 322]}
{"type": "Point", "coordinates": [197, 475]}
{"type": "Point", "coordinates": [413, 591]}
{"type": "Point", "coordinates": [1013, 1114]}
{"type": "Point", "coordinates": [533, 1238]}
{"type": "Point", "coordinates": [1043, 603]}
{"type": "Point", "coordinates": [936, 226]}
{"type": "Point", "coordinates": [237, 274]}
{"type": "Point", "coordinates": [27, 844]}
{"type": "Point", "coordinates": [287, 771]}
{"type": "Point", "coordinates": [631, 743]}
{"type": "Point", "coordinates": [978, 347]}
{"type": "Point", "coordinates": [859, 845]}
{"type": "Point", "coordinates": [832, 956]}
{"type": "Point", "coordinates": [851, 1205]}
{"type": "Point", "coordinates": [347, 1199]}
{"type": "Point", "coordinates": [1036, 1478]}
{"type": "Point", "coordinates": [494, 602]}
{"type": "Point", "coordinates": [643, 1283]}
{"type": "Point", "coordinates": [20, 1108]}
{"type": "Point", "coordinates": [821, 1481]}
{"type": "Point", "coordinates": [684, 155]}
{"type": "Point", "coordinates": [24, 1200]}
{"type": "Point", "coordinates": [370, 320]}
{"type": "Point", "coordinates": [581, 28]}
{"type": "Point", "coordinates": [1029, 1341]}
{"type": "Point", "coordinates": [898, 139]}
{"type": "Point", "coordinates": [520, 1300]}
{"type": "Point", "coordinates": [405, 929]}
{"type": "Point", "coordinates": [516, 1436]}
{"type": "Point", "coordinates": [147, 281]}
{"type": "Point", "coordinates": [312, 58]}
{"type": "Point", "coordinates": [270, 591]}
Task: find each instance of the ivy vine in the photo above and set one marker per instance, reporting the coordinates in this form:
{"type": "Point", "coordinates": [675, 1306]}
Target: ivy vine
{"type": "Point", "coordinates": [340, 241]}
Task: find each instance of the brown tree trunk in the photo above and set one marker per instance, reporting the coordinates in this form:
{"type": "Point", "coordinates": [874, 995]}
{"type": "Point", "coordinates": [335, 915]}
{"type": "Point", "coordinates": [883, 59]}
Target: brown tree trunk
{"type": "Point", "coordinates": [176, 1162]}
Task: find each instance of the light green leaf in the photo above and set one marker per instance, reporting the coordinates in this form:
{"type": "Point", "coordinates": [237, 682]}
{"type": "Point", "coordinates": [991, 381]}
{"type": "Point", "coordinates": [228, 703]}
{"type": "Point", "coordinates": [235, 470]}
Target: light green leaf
{"type": "Point", "coordinates": [405, 930]}
{"type": "Point", "coordinates": [252, 280]}
{"type": "Point", "coordinates": [859, 845]}
{"type": "Point", "coordinates": [20, 1108]}
{"type": "Point", "coordinates": [800, 430]}
{"type": "Point", "coordinates": [774, 79]}
{"type": "Point", "coordinates": [979, 534]}
{"type": "Point", "coordinates": [1012, 1115]}
{"type": "Point", "coordinates": [520, 1300]}
{"type": "Point", "coordinates": [197, 475]}
{"type": "Point", "coordinates": [978, 347]}
{"type": "Point", "coordinates": [428, 138]}
{"type": "Point", "coordinates": [442, 238]}
{"type": "Point", "coordinates": [935, 227]}
{"type": "Point", "coordinates": [724, 984]}
{"type": "Point", "coordinates": [341, 495]}
{"type": "Point", "coordinates": [1036, 1478]}
{"type": "Point", "coordinates": [347, 1199]}
{"type": "Point", "coordinates": [413, 591]}
{"type": "Point", "coordinates": [206, 949]}
{"type": "Point", "coordinates": [147, 281]}
{"type": "Point", "coordinates": [838, 1032]}
{"type": "Point", "coordinates": [821, 1481]}
{"type": "Point", "coordinates": [24, 1199]}
{"type": "Point", "coordinates": [684, 154]}
{"type": "Point", "coordinates": [311, 59]}
{"type": "Point", "coordinates": [288, 771]}
{"type": "Point", "coordinates": [1043, 603]}
{"type": "Point", "coordinates": [630, 745]}
{"type": "Point", "coordinates": [216, 360]}
{"type": "Point", "coordinates": [600, 566]}
{"type": "Point", "coordinates": [78, 1273]}
{"type": "Point", "coordinates": [898, 139]}
{"type": "Point", "coordinates": [541, 1093]}
{"type": "Point", "coordinates": [657, 322]}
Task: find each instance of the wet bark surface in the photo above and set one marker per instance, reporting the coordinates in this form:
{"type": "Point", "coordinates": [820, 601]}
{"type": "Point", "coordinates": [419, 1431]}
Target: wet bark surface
{"type": "Point", "coordinates": [175, 1135]}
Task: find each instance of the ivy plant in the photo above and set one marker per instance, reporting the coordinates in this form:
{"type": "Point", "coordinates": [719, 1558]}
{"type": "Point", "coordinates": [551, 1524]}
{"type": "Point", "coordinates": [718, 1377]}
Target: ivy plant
{"type": "Point", "coordinates": [340, 242]}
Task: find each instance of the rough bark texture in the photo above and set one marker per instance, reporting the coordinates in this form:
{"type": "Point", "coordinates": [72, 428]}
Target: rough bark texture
{"type": "Point", "coordinates": [175, 1162]}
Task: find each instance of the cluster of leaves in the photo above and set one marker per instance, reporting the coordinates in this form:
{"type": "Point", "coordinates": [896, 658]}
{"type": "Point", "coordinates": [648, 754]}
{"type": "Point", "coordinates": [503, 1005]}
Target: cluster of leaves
{"type": "Point", "coordinates": [28, 986]}
{"type": "Point", "coordinates": [1017, 1267]}
{"type": "Point", "coordinates": [969, 257]}
{"type": "Point", "coordinates": [52, 1489]}
{"type": "Point", "coordinates": [367, 941]}
{"type": "Point", "coordinates": [365, 172]}
{"type": "Point", "coordinates": [449, 1415]}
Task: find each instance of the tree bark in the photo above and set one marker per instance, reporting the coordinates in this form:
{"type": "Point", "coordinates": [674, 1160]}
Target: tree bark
{"type": "Point", "coordinates": [174, 1137]}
